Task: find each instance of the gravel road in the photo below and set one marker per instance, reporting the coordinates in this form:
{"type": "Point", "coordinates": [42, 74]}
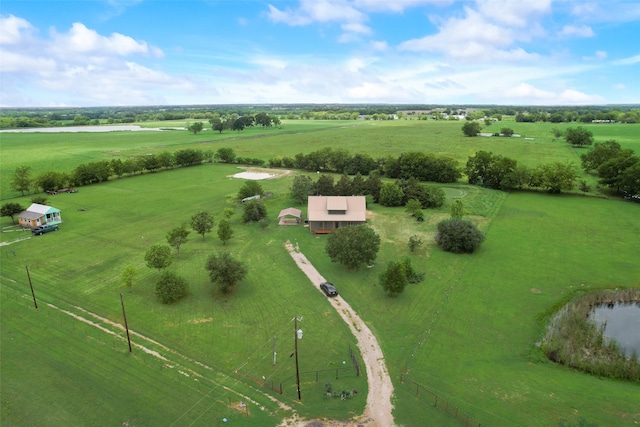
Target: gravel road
{"type": "Point", "coordinates": [377, 412]}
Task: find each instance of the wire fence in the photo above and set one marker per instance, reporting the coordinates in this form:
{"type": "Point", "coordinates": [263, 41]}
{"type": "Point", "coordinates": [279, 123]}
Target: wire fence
{"type": "Point", "coordinates": [313, 375]}
{"type": "Point", "coordinates": [430, 397]}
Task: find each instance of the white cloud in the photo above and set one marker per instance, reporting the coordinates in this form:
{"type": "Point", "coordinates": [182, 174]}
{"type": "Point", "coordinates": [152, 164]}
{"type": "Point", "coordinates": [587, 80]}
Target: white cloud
{"type": "Point", "coordinates": [356, 27]}
{"type": "Point", "coordinates": [80, 39]}
{"type": "Point", "coordinates": [317, 11]}
{"type": "Point", "coordinates": [599, 56]}
{"type": "Point", "coordinates": [613, 11]}
{"type": "Point", "coordinates": [475, 37]}
{"type": "Point", "coordinates": [514, 13]}
{"type": "Point", "coordinates": [619, 86]}
{"type": "Point", "coordinates": [533, 95]}
{"type": "Point", "coordinates": [455, 33]}
{"type": "Point", "coordinates": [574, 31]}
{"type": "Point", "coordinates": [379, 45]}
{"type": "Point", "coordinates": [351, 20]}
{"type": "Point", "coordinates": [628, 61]}
{"type": "Point", "coordinates": [396, 6]}
{"type": "Point", "coordinates": [14, 62]}
{"type": "Point", "coordinates": [12, 29]}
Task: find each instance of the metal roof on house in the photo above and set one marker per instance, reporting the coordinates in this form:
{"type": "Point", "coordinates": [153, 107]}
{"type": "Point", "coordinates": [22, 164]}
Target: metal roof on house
{"type": "Point", "coordinates": [336, 203]}
{"type": "Point", "coordinates": [355, 208]}
{"type": "Point", "coordinates": [29, 215]}
{"type": "Point", "coordinates": [41, 209]}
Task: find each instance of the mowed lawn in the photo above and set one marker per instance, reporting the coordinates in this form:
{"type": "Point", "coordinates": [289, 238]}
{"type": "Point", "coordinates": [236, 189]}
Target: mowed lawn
{"type": "Point", "coordinates": [109, 226]}
{"type": "Point", "coordinates": [468, 331]}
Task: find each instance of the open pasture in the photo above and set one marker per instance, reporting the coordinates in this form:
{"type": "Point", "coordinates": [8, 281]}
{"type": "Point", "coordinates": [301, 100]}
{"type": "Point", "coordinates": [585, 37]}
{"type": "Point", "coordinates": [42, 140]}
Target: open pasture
{"type": "Point", "coordinates": [64, 151]}
{"type": "Point", "coordinates": [468, 331]}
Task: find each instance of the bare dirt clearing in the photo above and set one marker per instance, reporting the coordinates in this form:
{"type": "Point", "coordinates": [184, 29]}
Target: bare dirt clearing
{"type": "Point", "coordinates": [377, 412]}
{"type": "Point", "coordinates": [261, 173]}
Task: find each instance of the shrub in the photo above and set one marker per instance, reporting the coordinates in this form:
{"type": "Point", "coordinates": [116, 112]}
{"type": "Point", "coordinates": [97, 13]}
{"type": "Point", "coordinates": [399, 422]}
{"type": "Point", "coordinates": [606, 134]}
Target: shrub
{"type": "Point", "coordinates": [41, 200]}
{"type": "Point", "coordinates": [250, 188]}
{"type": "Point", "coordinates": [394, 279]}
{"type": "Point", "coordinates": [471, 128]}
{"type": "Point", "coordinates": [414, 242]}
{"type": "Point", "coordinates": [171, 288]}
{"type": "Point", "coordinates": [458, 236]}
{"type": "Point", "coordinates": [254, 211]}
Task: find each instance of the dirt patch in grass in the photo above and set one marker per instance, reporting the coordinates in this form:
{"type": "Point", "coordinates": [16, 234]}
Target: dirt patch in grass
{"type": "Point", "coordinates": [198, 321]}
{"type": "Point", "coordinates": [261, 173]}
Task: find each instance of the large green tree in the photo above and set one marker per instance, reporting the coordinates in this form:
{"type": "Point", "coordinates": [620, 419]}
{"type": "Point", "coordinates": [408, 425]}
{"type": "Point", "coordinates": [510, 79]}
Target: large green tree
{"type": "Point", "coordinates": [202, 223]}
{"type": "Point", "coordinates": [177, 237]}
{"type": "Point", "coordinates": [601, 152]}
{"type": "Point", "coordinates": [391, 195]}
{"type": "Point", "coordinates": [225, 155]}
{"type": "Point", "coordinates": [158, 256]}
{"type": "Point", "coordinates": [611, 171]}
{"type": "Point", "coordinates": [254, 211]}
{"type": "Point", "coordinates": [22, 179]}
{"type": "Point", "coordinates": [196, 127]}
{"type": "Point", "coordinates": [471, 128]}
{"type": "Point", "coordinates": [488, 169]}
{"type": "Point", "coordinates": [225, 271]}
{"type": "Point", "coordinates": [301, 188]}
{"type": "Point", "coordinates": [556, 177]}
{"type": "Point", "coordinates": [353, 246]}
{"type": "Point", "coordinates": [171, 288]}
{"type": "Point", "coordinates": [250, 188]}
{"type": "Point", "coordinates": [324, 186]}
{"type": "Point", "coordinates": [629, 180]}
{"type": "Point", "coordinates": [578, 137]}
{"type": "Point", "coordinates": [11, 209]}
{"type": "Point", "coordinates": [458, 236]}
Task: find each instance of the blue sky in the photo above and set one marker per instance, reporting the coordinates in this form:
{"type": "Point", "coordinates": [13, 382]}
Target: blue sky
{"type": "Point", "coordinates": [163, 52]}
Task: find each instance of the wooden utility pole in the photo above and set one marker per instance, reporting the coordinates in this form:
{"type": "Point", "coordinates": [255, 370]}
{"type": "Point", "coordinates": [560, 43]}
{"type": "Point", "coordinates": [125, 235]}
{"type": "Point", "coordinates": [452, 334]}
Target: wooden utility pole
{"type": "Point", "coordinates": [125, 321]}
{"type": "Point", "coordinates": [31, 286]}
{"type": "Point", "coordinates": [295, 336]}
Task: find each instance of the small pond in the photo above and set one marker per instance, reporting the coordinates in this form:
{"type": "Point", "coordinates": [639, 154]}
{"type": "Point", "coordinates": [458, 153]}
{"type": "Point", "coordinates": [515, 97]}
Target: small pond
{"type": "Point", "coordinates": [620, 322]}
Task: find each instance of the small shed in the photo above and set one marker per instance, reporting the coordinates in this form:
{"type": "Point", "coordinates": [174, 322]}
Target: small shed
{"type": "Point", "coordinates": [289, 216]}
{"type": "Point", "coordinates": [37, 215]}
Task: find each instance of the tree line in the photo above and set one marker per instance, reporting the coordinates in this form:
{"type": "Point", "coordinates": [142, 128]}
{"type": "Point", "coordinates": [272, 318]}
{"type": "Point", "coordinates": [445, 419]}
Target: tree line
{"type": "Point", "coordinates": [416, 164]}
{"type": "Point", "coordinates": [618, 170]}
{"type": "Point", "coordinates": [103, 170]}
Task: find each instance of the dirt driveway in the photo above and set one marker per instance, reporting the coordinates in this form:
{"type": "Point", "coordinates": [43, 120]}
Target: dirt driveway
{"type": "Point", "coordinates": [377, 412]}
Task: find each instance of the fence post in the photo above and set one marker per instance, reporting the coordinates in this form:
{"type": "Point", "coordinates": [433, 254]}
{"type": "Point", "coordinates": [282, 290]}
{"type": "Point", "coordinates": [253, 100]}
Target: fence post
{"type": "Point", "coordinates": [435, 403]}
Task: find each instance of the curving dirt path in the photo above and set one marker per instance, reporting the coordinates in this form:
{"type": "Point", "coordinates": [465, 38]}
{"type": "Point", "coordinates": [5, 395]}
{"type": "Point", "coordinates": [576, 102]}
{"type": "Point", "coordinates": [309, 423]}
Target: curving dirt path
{"type": "Point", "coordinates": [377, 412]}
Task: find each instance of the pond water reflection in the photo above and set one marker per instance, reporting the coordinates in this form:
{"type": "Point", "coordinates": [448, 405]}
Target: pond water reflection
{"type": "Point", "coordinates": [620, 322]}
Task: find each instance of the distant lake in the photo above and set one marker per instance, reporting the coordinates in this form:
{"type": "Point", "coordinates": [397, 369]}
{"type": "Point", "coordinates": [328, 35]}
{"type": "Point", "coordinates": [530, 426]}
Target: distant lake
{"type": "Point", "coordinates": [620, 322]}
{"type": "Point", "coordinates": [86, 129]}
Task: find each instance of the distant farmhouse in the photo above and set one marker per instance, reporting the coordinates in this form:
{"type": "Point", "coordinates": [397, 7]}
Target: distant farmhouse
{"type": "Point", "coordinates": [37, 215]}
{"type": "Point", "coordinates": [326, 213]}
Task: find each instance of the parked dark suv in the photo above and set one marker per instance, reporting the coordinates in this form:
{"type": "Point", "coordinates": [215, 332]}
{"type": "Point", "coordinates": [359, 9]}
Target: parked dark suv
{"type": "Point", "coordinates": [44, 229]}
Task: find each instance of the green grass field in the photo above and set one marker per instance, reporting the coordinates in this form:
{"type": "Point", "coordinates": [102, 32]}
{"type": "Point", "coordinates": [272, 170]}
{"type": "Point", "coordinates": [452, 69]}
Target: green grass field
{"type": "Point", "coordinates": [468, 332]}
